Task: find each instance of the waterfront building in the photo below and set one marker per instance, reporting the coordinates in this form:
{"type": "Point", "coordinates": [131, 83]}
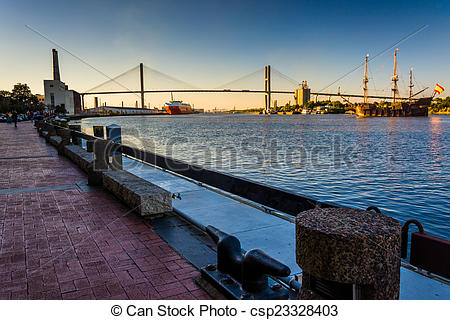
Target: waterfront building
{"type": "Point", "coordinates": [303, 95]}
{"type": "Point", "coordinates": [57, 93]}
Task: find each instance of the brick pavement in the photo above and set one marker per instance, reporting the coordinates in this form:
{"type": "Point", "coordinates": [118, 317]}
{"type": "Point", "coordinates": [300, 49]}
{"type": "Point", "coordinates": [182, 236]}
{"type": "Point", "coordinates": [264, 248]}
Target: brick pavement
{"type": "Point", "coordinates": [70, 244]}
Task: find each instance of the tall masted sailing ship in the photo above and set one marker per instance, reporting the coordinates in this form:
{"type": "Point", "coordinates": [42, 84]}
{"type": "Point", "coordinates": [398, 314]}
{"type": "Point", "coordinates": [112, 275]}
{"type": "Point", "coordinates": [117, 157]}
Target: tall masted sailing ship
{"type": "Point", "coordinates": [400, 107]}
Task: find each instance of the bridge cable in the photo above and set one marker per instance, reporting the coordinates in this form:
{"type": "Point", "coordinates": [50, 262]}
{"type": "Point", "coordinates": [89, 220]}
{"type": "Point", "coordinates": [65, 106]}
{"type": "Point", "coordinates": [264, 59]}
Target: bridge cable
{"type": "Point", "coordinates": [377, 55]}
{"type": "Point", "coordinates": [164, 75]}
{"type": "Point", "coordinates": [286, 77]}
{"type": "Point", "coordinates": [113, 80]}
{"type": "Point", "coordinates": [227, 85]}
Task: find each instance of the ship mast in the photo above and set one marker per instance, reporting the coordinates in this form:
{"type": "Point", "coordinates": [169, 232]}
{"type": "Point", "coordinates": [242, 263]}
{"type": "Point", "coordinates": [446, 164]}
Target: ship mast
{"type": "Point", "coordinates": [395, 78]}
{"type": "Point", "coordinates": [365, 80]}
{"type": "Point", "coordinates": [410, 83]}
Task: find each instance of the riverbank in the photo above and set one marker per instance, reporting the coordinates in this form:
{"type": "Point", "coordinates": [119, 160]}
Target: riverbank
{"type": "Point", "coordinates": [85, 116]}
{"type": "Point", "coordinates": [440, 112]}
{"type": "Point", "coordinates": [61, 239]}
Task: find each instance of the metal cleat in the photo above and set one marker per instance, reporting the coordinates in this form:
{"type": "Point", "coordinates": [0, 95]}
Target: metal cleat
{"type": "Point", "coordinates": [244, 275]}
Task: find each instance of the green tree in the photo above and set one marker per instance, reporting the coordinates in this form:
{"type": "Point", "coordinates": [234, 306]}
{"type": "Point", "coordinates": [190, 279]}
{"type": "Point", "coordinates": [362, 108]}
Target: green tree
{"type": "Point", "coordinates": [440, 105]}
{"type": "Point", "coordinates": [5, 101]}
{"type": "Point", "coordinates": [22, 99]}
{"type": "Point", "coordinates": [337, 105]}
{"type": "Point", "coordinates": [310, 105]}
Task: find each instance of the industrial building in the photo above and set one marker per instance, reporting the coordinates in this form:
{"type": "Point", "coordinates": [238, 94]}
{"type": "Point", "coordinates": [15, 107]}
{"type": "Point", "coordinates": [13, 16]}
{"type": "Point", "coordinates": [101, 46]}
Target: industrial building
{"type": "Point", "coordinates": [57, 93]}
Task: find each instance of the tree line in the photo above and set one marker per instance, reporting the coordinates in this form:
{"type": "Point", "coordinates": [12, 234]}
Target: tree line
{"type": "Point", "coordinates": [20, 99]}
{"type": "Point", "coordinates": [440, 105]}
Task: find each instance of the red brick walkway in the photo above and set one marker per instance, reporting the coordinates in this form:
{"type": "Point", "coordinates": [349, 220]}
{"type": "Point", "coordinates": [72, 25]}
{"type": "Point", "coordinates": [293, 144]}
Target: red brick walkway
{"type": "Point", "coordinates": [65, 243]}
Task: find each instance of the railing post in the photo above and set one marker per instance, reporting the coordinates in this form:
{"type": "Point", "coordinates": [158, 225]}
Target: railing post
{"type": "Point", "coordinates": [100, 163]}
{"type": "Point", "coordinates": [114, 134]}
{"type": "Point", "coordinates": [90, 145]}
{"type": "Point", "coordinates": [99, 131]}
{"type": "Point", "coordinates": [65, 139]}
{"type": "Point", "coordinates": [51, 131]}
{"type": "Point", "coordinates": [76, 140]}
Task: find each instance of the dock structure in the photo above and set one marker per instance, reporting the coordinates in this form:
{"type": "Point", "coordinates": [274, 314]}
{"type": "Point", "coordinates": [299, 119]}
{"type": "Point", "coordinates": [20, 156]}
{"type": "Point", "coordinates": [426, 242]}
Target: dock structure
{"type": "Point", "coordinates": [62, 239]}
{"type": "Point", "coordinates": [255, 225]}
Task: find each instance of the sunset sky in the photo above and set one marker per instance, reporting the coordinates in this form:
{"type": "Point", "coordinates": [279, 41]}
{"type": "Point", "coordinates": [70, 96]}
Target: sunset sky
{"type": "Point", "coordinates": [209, 43]}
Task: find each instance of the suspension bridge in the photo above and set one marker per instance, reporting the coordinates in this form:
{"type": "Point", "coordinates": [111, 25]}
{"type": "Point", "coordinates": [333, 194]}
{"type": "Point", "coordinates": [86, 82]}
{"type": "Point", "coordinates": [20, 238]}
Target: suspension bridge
{"type": "Point", "coordinates": [143, 80]}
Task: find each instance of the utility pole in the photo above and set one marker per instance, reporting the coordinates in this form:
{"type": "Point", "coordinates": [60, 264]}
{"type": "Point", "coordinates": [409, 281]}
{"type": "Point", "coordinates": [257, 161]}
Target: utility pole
{"type": "Point", "coordinates": [141, 71]}
{"type": "Point", "coordinates": [267, 88]}
{"type": "Point", "coordinates": [395, 79]}
{"type": "Point", "coordinates": [365, 80]}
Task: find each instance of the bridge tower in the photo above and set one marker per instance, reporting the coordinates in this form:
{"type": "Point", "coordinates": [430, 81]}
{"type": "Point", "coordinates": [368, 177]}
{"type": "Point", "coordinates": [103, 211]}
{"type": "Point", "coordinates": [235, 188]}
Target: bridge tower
{"type": "Point", "coordinates": [141, 73]}
{"type": "Point", "coordinates": [267, 89]}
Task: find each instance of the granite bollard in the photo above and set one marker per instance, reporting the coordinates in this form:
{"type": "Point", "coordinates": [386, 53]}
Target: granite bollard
{"type": "Point", "coordinates": [147, 199]}
{"type": "Point", "coordinates": [79, 156]}
{"type": "Point", "coordinates": [54, 140]}
{"type": "Point", "coordinates": [348, 254]}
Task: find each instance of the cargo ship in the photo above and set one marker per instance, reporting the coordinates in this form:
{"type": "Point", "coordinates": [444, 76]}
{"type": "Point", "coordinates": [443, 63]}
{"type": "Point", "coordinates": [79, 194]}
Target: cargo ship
{"type": "Point", "coordinates": [178, 107]}
{"type": "Point", "coordinates": [400, 107]}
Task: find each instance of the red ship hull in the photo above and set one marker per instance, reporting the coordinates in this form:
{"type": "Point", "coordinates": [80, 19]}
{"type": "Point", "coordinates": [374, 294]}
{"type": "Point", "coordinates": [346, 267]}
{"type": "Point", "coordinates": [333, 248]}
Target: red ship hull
{"type": "Point", "coordinates": [178, 109]}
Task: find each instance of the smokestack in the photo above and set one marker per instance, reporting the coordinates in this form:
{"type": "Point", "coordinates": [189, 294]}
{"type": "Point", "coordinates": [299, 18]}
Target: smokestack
{"type": "Point", "coordinates": [55, 65]}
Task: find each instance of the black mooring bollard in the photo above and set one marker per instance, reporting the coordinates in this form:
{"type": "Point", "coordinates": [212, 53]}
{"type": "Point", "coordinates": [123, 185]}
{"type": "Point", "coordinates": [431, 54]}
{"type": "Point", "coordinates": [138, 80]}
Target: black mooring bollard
{"type": "Point", "coordinates": [244, 275]}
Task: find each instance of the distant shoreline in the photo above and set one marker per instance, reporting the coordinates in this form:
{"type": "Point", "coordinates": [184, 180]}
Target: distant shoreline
{"type": "Point", "coordinates": [441, 112]}
{"type": "Point", "coordinates": [81, 116]}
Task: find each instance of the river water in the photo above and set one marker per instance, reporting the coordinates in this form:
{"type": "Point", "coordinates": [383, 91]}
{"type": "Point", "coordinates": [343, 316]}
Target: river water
{"type": "Point", "coordinates": [401, 165]}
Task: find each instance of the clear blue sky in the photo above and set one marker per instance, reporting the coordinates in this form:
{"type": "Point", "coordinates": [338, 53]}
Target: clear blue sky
{"type": "Point", "coordinates": [207, 43]}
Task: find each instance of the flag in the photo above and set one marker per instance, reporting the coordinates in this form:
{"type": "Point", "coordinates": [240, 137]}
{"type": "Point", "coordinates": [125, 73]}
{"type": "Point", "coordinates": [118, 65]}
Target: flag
{"type": "Point", "coordinates": [438, 89]}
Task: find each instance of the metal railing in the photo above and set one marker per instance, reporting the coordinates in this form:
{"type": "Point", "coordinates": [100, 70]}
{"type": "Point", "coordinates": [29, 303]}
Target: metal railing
{"type": "Point", "coordinates": [265, 195]}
